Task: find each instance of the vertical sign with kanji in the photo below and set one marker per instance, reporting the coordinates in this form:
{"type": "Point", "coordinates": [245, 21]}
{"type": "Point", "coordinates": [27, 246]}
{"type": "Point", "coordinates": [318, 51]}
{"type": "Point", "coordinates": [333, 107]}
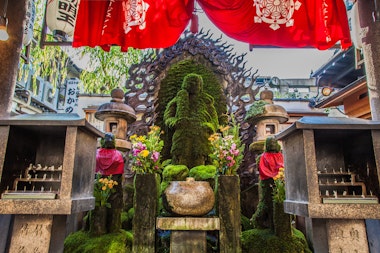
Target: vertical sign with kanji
{"type": "Point", "coordinates": [71, 98]}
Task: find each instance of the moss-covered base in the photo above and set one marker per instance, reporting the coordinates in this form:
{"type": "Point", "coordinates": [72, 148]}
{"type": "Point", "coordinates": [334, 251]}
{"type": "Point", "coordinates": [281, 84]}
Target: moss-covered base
{"type": "Point", "coordinates": [82, 242]}
{"type": "Point", "coordinates": [265, 241]}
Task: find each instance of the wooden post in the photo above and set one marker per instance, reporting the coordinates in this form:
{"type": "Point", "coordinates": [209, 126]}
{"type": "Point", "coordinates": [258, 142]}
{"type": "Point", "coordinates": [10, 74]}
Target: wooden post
{"type": "Point", "coordinates": [370, 30]}
{"type": "Point", "coordinates": [144, 222]}
{"type": "Point", "coordinates": [229, 213]}
{"type": "Point", "coordinates": [10, 54]}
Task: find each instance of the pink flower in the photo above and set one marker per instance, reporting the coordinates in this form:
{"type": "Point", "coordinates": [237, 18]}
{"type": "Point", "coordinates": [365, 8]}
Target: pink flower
{"type": "Point", "coordinates": [155, 156]}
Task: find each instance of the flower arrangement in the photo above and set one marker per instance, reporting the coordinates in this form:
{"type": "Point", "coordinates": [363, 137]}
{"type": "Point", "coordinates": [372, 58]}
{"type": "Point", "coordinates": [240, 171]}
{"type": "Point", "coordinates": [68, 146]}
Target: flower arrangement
{"type": "Point", "coordinates": [227, 149]}
{"type": "Point", "coordinates": [102, 190]}
{"type": "Point", "coordinates": [279, 186]}
{"type": "Point", "coordinates": [146, 150]}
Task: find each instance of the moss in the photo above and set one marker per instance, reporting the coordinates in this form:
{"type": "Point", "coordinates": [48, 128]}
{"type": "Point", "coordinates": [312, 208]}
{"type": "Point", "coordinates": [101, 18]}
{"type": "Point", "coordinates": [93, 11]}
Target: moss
{"type": "Point", "coordinates": [204, 173]}
{"type": "Point", "coordinates": [171, 84]}
{"type": "Point", "coordinates": [175, 173]}
{"type": "Point", "coordinates": [192, 117]}
{"type": "Point", "coordinates": [257, 146]}
{"type": "Point", "coordinates": [127, 218]}
{"type": "Point", "coordinates": [263, 216]}
{"type": "Point", "coordinates": [245, 223]}
{"type": "Point", "coordinates": [265, 241]}
{"type": "Point", "coordinates": [256, 109]}
{"type": "Point", "coordinates": [81, 242]}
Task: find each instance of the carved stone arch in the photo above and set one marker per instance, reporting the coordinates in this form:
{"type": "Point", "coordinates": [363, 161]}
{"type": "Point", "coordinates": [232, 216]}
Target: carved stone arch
{"type": "Point", "coordinates": [145, 78]}
{"type": "Point", "coordinates": [237, 81]}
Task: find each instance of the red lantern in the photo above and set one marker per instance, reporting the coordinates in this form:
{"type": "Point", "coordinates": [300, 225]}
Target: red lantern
{"type": "Point", "coordinates": [60, 18]}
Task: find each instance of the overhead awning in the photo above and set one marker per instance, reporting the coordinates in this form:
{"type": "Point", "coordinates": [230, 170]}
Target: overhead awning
{"type": "Point", "coordinates": [159, 23]}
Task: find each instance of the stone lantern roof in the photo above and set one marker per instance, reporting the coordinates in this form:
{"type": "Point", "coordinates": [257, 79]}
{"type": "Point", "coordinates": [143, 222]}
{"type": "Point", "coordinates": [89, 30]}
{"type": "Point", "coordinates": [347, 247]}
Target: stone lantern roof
{"type": "Point", "coordinates": [116, 108]}
{"type": "Point", "coordinates": [270, 110]}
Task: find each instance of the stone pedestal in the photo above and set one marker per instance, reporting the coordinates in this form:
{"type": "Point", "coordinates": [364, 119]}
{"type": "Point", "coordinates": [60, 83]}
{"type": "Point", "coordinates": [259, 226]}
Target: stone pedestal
{"type": "Point", "coordinates": [188, 234]}
{"type": "Point", "coordinates": [347, 236]}
{"type": "Point", "coordinates": [145, 203]}
{"type": "Point", "coordinates": [229, 212]}
{"type": "Point", "coordinates": [31, 233]}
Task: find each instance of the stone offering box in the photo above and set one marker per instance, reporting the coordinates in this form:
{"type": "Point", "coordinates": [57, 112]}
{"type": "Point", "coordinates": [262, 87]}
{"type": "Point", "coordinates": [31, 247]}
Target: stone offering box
{"type": "Point", "coordinates": [47, 164]}
{"type": "Point", "coordinates": [332, 168]}
{"type": "Point", "coordinates": [332, 182]}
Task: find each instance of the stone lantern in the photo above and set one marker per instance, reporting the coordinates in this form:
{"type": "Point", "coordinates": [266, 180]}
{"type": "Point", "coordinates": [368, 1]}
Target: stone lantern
{"type": "Point", "coordinates": [116, 116]}
{"type": "Point", "coordinates": [267, 123]}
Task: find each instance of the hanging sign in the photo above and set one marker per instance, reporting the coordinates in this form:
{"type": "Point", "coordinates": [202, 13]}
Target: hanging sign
{"type": "Point", "coordinates": [60, 17]}
{"type": "Point", "coordinates": [72, 92]}
{"type": "Point", "coordinates": [29, 24]}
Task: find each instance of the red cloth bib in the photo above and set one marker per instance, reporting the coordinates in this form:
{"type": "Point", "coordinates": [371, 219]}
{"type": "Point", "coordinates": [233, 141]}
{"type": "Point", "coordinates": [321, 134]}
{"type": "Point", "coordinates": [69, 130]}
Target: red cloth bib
{"type": "Point", "coordinates": [269, 164]}
{"type": "Point", "coordinates": [109, 162]}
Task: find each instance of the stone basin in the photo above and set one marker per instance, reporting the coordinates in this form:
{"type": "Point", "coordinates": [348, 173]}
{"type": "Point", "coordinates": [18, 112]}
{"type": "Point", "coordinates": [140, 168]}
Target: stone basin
{"type": "Point", "coordinates": [189, 198]}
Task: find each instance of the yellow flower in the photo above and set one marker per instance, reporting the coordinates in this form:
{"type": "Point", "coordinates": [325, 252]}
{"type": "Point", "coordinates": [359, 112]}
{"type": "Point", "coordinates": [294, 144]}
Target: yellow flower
{"type": "Point", "coordinates": [104, 188]}
{"type": "Point", "coordinates": [133, 137]}
{"type": "Point", "coordinates": [144, 153]}
{"type": "Point", "coordinates": [223, 129]}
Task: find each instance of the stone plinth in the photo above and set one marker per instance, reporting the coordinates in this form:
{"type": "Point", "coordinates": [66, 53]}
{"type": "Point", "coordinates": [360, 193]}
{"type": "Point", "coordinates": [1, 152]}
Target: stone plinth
{"type": "Point", "coordinates": [347, 236]}
{"type": "Point", "coordinates": [188, 233]}
{"type": "Point", "coordinates": [188, 223]}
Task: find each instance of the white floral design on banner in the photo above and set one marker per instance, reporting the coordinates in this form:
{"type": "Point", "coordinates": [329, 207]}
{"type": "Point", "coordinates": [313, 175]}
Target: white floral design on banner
{"type": "Point", "coordinates": [275, 12]}
{"type": "Point", "coordinates": [135, 13]}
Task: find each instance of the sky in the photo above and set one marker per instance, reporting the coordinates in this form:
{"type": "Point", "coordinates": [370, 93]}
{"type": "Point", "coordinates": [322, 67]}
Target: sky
{"type": "Point", "coordinates": [280, 62]}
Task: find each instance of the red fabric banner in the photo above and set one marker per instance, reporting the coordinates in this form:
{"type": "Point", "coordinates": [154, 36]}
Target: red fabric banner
{"type": "Point", "coordinates": [283, 23]}
{"type": "Point", "coordinates": [160, 23]}
{"type": "Point", "coordinates": [131, 23]}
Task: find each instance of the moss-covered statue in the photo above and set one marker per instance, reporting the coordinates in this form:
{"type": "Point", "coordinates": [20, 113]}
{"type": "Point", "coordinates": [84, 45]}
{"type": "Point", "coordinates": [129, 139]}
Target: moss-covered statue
{"type": "Point", "coordinates": [192, 115]}
{"type": "Point", "coordinates": [269, 164]}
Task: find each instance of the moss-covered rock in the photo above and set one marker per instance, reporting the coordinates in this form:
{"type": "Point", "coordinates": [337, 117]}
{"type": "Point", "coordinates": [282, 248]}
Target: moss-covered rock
{"type": "Point", "coordinates": [82, 242]}
{"type": "Point", "coordinates": [265, 241]}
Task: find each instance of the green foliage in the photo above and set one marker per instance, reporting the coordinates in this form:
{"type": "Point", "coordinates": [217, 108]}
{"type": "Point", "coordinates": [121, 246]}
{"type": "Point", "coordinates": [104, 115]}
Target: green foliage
{"type": "Point", "coordinates": [49, 62]}
{"type": "Point", "coordinates": [81, 242]}
{"type": "Point", "coordinates": [103, 188]}
{"type": "Point", "coordinates": [108, 69]}
{"type": "Point", "coordinates": [265, 241]}
{"type": "Point", "coordinates": [255, 109]}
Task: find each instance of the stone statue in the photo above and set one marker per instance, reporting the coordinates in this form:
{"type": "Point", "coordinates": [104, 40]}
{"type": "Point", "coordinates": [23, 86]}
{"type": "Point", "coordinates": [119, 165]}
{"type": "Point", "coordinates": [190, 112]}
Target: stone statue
{"type": "Point", "coordinates": [192, 115]}
{"type": "Point", "coordinates": [269, 164]}
{"type": "Point", "coordinates": [110, 162]}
